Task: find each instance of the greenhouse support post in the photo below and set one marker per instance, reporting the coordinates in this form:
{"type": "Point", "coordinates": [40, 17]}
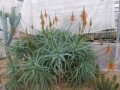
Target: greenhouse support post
{"type": "Point", "coordinates": [118, 29]}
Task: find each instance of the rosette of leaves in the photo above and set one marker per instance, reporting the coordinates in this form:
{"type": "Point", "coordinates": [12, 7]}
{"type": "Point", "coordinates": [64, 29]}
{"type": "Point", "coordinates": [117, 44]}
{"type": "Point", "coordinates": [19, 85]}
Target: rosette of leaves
{"type": "Point", "coordinates": [30, 74]}
{"type": "Point", "coordinates": [81, 62]}
{"type": "Point", "coordinates": [66, 55]}
{"type": "Point", "coordinates": [20, 48]}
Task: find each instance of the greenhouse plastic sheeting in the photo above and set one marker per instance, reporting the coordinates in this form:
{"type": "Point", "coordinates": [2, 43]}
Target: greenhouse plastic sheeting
{"type": "Point", "coordinates": [101, 12]}
{"type": "Point", "coordinates": [103, 58]}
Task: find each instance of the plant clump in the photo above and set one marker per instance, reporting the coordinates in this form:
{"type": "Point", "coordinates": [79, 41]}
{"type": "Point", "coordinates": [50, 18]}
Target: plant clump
{"type": "Point", "coordinates": [42, 59]}
{"type": "Point", "coordinates": [50, 57]}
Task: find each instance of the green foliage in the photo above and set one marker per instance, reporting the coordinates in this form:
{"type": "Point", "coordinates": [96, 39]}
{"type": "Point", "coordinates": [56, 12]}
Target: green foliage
{"type": "Point", "coordinates": [12, 68]}
{"type": "Point", "coordinates": [13, 21]}
{"type": "Point", "coordinates": [105, 83]}
{"type": "Point", "coordinates": [30, 75]}
{"type": "Point", "coordinates": [20, 48]}
{"type": "Point", "coordinates": [53, 53]}
{"type": "Point", "coordinates": [97, 71]}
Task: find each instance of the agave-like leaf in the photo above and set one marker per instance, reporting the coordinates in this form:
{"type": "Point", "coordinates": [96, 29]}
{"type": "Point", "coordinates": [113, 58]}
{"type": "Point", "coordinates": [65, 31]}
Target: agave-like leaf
{"type": "Point", "coordinates": [53, 53]}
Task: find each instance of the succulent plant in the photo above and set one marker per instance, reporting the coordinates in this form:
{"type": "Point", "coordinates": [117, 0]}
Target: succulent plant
{"type": "Point", "coordinates": [13, 21]}
{"type": "Point", "coordinates": [105, 83]}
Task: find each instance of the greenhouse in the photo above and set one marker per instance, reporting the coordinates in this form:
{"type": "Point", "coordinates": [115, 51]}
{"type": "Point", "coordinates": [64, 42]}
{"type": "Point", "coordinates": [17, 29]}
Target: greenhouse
{"type": "Point", "coordinates": [59, 45]}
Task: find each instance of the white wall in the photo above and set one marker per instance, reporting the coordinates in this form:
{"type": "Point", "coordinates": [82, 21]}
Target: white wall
{"type": "Point", "coordinates": [101, 12]}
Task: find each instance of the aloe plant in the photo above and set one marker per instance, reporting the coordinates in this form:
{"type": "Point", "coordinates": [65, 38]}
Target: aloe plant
{"type": "Point", "coordinates": [68, 57]}
{"type": "Point", "coordinates": [13, 21]}
{"type": "Point", "coordinates": [30, 74]}
{"type": "Point", "coordinates": [104, 83]}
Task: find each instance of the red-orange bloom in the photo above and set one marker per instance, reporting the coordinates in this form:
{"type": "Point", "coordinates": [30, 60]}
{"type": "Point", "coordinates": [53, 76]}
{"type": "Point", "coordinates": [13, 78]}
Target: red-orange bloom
{"type": "Point", "coordinates": [83, 17]}
{"type": "Point", "coordinates": [84, 14]}
{"type": "Point", "coordinates": [72, 18]}
{"type": "Point", "coordinates": [84, 22]}
{"type": "Point", "coordinates": [111, 65]}
{"type": "Point", "coordinates": [50, 24]}
{"type": "Point", "coordinates": [45, 15]}
{"type": "Point", "coordinates": [42, 22]}
{"type": "Point", "coordinates": [14, 31]}
{"type": "Point", "coordinates": [56, 19]}
{"type": "Point", "coordinates": [108, 48]}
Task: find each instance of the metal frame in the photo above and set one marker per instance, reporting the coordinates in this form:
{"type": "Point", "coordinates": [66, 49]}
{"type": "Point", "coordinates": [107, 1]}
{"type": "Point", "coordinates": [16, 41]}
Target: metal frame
{"type": "Point", "coordinates": [118, 29]}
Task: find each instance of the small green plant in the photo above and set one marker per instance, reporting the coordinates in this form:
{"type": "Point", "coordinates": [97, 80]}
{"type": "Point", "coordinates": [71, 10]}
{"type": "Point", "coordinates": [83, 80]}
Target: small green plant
{"type": "Point", "coordinates": [104, 83]}
{"type": "Point", "coordinates": [12, 68]}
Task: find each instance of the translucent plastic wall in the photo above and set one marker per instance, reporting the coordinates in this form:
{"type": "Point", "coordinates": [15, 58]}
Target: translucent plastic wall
{"type": "Point", "coordinates": [101, 12]}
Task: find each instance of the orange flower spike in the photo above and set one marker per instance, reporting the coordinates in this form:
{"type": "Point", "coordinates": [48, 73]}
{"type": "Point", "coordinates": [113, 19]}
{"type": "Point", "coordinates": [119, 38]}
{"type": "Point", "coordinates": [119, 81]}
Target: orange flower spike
{"type": "Point", "coordinates": [84, 14]}
{"type": "Point", "coordinates": [45, 15]}
{"type": "Point", "coordinates": [79, 27]}
{"type": "Point", "coordinates": [72, 18]}
{"type": "Point", "coordinates": [42, 22]}
{"type": "Point", "coordinates": [53, 22]}
{"type": "Point", "coordinates": [110, 65]}
{"type": "Point", "coordinates": [41, 16]}
{"type": "Point", "coordinates": [26, 36]}
{"type": "Point", "coordinates": [108, 48]}
{"type": "Point", "coordinates": [56, 19]}
{"type": "Point", "coordinates": [14, 32]}
{"type": "Point", "coordinates": [42, 19]}
{"type": "Point", "coordinates": [84, 22]}
{"type": "Point", "coordinates": [90, 22]}
{"type": "Point", "coordinates": [50, 23]}
{"type": "Point", "coordinates": [83, 17]}
{"type": "Point", "coordinates": [32, 27]}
